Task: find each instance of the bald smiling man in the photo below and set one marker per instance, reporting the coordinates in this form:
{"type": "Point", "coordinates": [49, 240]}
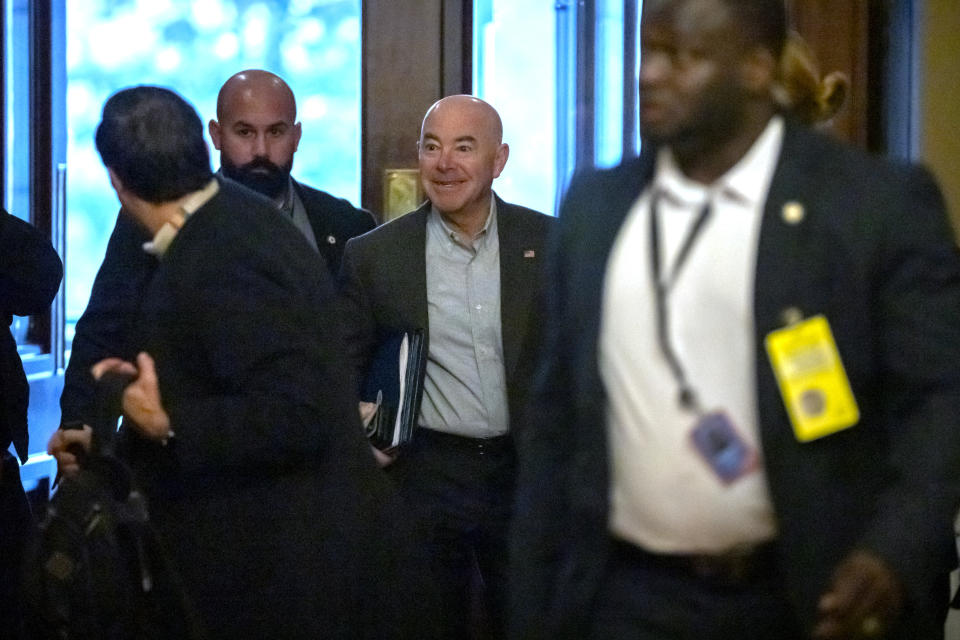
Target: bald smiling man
{"type": "Point", "coordinates": [464, 267]}
{"type": "Point", "coordinates": [257, 134]}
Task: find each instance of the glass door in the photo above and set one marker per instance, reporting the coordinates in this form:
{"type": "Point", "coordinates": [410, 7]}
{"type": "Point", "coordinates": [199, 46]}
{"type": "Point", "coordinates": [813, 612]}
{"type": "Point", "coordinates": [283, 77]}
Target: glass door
{"type": "Point", "coordinates": [33, 186]}
{"type": "Point", "coordinates": [563, 75]}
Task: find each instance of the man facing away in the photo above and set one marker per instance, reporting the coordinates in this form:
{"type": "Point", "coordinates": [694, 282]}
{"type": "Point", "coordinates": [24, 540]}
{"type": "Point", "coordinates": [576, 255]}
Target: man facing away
{"type": "Point", "coordinates": [239, 425]}
{"type": "Point", "coordinates": [744, 425]}
{"type": "Point", "coordinates": [464, 267]}
{"type": "Point", "coordinates": [257, 134]}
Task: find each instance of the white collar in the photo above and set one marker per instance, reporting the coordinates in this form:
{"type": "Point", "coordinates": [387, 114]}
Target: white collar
{"type": "Point", "coordinates": [188, 206]}
{"type": "Point", "coordinates": [747, 181]}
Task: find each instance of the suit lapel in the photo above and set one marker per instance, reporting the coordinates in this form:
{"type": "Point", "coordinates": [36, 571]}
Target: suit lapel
{"type": "Point", "coordinates": [783, 289]}
{"type": "Point", "coordinates": [414, 265]}
{"type": "Point", "coordinates": [517, 281]}
{"type": "Point", "coordinates": [598, 215]}
{"type": "Point", "coordinates": [779, 269]}
{"type": "Point", "coordinates": [316, 216]}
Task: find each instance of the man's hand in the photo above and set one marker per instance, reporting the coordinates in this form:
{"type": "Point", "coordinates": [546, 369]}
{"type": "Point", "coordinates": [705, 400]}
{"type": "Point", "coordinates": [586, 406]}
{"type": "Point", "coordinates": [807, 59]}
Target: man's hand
{"type": "Point", "coordinates": [864, 600]}
{"type": "Point", "coordinates": [61, 443]}
{"type": "Point", "coordinates": [141, 398]}
{"type": "Point", "coordinates": [367, 411]}
{"type": "Point", "coordinates": [383, 458]}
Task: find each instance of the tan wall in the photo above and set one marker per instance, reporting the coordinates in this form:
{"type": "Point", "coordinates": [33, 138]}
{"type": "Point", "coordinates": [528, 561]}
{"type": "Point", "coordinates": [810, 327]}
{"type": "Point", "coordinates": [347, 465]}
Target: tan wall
{"type": "Point", "coordinates": [940, 142]}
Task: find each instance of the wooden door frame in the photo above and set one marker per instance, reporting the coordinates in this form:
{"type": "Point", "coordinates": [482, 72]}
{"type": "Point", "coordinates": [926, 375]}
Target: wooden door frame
{"type": "Point", "coordinates": [413, 55]}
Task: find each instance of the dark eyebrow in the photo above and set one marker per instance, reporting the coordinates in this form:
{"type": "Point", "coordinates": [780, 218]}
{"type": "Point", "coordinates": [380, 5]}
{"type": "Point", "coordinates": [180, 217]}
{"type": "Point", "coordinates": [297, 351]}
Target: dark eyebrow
{"type": "Point", "coordinates": [430, 136]}
{"type": "Point", "coordinates": [243, 123]}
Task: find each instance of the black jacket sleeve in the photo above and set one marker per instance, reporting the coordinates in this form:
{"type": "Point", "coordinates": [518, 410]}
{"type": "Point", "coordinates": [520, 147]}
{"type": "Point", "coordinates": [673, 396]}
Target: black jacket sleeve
{"type": "Point", "coordinates": [105, 327]}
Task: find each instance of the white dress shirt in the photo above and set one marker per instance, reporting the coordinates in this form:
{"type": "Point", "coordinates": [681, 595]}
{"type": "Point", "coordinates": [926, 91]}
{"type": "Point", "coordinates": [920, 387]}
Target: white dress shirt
{"type": "Point", "coordinates": [664, 496]}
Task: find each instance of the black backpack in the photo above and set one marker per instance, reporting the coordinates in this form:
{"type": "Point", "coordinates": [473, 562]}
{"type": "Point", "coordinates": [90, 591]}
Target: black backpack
{"type": "Point", "coordinates": [97, 569]}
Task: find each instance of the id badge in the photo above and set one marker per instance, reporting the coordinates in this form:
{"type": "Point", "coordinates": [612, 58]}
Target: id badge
{"type": "Point", "coordinates": [812, 380]}
{"type": "Point", "coordinates": [717, 441]}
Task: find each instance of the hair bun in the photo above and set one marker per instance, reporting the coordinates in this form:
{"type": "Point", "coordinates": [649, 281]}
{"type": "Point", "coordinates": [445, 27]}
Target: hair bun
{"type": "Point", "coordinates": [801, 91]}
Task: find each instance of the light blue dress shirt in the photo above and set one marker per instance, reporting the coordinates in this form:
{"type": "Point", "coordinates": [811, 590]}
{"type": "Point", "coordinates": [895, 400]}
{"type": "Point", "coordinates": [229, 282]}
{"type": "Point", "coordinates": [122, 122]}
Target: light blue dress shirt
{"type": "Point", "coordinates": [464, 392]}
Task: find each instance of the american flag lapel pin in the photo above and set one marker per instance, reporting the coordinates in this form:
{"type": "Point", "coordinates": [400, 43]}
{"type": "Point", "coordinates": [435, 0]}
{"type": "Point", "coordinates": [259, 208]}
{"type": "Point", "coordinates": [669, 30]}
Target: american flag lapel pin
{"type": "Point", "coordinates": [529, 253]}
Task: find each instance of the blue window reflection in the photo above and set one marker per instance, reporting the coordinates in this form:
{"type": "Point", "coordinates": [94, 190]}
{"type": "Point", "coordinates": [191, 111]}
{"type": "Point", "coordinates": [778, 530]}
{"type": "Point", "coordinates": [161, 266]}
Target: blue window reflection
{"type": "Point", "coordinates": [514, 70]}
{"type": "Point", "coordinates": [555, 71]}
{"type": "Point", "coordinates": [193, 47]}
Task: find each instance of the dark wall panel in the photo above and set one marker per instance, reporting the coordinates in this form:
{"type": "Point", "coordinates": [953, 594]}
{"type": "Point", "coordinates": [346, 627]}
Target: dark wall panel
{"type": "Point", "coordinates": [839, 34]}
{"type": "Point", "coordinates": [414, 53]}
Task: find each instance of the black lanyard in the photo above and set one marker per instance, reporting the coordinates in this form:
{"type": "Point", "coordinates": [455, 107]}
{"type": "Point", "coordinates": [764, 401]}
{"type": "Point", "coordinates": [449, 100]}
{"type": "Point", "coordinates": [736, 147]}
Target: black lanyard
{"type": "Point", "coordinates": [687, 396]}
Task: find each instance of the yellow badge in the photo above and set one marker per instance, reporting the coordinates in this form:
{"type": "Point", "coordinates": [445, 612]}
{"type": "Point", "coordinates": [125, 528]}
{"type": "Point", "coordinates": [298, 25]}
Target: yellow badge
{"type": "Point", "coordinates": [813, 383]}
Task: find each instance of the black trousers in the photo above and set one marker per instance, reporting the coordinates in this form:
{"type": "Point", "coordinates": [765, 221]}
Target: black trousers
{"type": "Point", "coordinates": [642, 598]}
{"type": "Point", "coordinates": [460, 491]}
{"type": "Point", "coordinates": [16, 528]}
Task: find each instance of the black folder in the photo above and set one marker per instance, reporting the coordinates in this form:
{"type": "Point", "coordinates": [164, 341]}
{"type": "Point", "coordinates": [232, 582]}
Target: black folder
{"type": "Point", "coordinates": [393, 382]}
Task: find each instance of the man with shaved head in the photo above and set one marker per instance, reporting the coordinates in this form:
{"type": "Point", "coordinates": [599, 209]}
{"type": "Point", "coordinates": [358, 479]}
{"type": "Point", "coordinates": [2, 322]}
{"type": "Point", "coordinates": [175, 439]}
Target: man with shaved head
{"type": "Point", "coordinates": [465, 268]}
{"type": "Point", "coordinates": [257, 134]}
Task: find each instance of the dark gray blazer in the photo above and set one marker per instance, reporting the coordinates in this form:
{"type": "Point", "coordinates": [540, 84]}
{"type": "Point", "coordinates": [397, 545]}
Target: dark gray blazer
{"type": "Point", "coordinates": [334, 221]}
{"type": "Point", "coordinates": [383, 284]}
{"type": "Point", "coordinates": [874, 253]}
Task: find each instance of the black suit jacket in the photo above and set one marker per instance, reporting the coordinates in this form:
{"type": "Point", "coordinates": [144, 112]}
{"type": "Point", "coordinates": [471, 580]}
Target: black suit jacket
{"type": "Point", "coordinates": [875, 255]}
{"type": "Point", "coordinates": [334, 221]}
{"type": "Point", "coordinates": [105, 327]}
{"type": "Point", "coordinates": [383, 285]}
{"type": "Point", "coordinates": [30, 274]}
{"type": "Point", "coordinates": [267, 497]}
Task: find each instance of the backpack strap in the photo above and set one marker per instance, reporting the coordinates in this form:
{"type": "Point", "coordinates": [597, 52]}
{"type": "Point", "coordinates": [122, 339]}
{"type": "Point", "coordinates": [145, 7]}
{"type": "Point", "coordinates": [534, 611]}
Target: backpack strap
{"type": "Point", "coordinates": [107, 411]}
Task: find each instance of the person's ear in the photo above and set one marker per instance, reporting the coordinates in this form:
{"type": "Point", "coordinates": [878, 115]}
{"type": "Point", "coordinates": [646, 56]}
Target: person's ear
{"type": "Point", "coordinates": [297, 132]}
{"type": "Point", "coordinates": [127, 202]}
{"type": "Point", "coordinates": [503, 152]}
{"type": "Point", "coordinates": [116, 182]}
{"type": "Point", "coordinates": [214, 128]}
{"type": "Point", "coordinates": [758, 71]}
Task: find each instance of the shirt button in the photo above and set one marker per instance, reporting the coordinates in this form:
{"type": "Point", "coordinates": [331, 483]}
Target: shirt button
{"type": "Point", "coordinates": [479, 307]}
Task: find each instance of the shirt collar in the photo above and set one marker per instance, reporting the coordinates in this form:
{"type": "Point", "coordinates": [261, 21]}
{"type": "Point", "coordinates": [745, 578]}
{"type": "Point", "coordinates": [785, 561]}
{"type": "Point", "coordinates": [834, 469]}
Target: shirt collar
{"type": "Point", "coordinates": [456, 236]}
{"type": "Point", "coordinates": [188, 205]}
{"type": "Point", "coordinates": [286, 203]}
{"type": "Point", "coordinates": [193, 201]}
{"type": "Point", "coordinates": [747, 181]}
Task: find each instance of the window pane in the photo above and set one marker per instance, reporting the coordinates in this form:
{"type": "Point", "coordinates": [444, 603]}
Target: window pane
{"type": "Point", "coordinates": [16, 57]}
{"type": "Point", "coordinates": [16, 154]}
{"type": "Point", "coordinates": [515, 71]}
{"type": "Point", "coordinates": [609, 82]}
{"type": "Point", "coordinates": [634, 87]}
{"type": "Point", "coordinates": [193, 47]}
